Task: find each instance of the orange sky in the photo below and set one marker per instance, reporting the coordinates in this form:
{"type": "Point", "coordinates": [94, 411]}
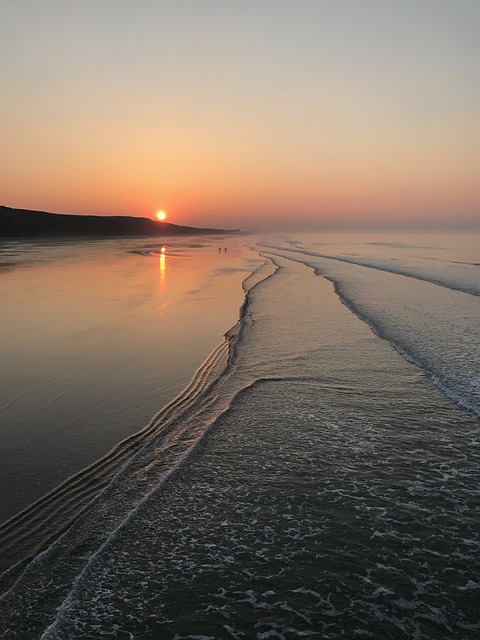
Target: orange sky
{"type": "Point", "coordinates": [243, 115]}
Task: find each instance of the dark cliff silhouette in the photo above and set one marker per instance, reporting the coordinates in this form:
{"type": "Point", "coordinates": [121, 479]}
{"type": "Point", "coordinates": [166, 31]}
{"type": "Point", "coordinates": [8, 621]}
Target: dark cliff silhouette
{"type": "Point", "coordinates": [18, 223]}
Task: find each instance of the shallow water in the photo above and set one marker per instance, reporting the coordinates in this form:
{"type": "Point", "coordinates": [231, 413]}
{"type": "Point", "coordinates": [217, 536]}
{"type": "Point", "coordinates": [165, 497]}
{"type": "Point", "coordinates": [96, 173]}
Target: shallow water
{"type": "Point", "coordinates": [321, 486]}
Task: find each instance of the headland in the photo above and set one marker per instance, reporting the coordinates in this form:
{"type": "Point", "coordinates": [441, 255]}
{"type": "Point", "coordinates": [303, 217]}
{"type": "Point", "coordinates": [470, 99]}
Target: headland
{"type": "Point", "coordinates": [24, 223]}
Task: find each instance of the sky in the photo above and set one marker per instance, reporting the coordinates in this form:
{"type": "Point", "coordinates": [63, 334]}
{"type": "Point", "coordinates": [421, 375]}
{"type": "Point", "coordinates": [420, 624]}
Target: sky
{"type": "Point", "coordinates": [253, 114]}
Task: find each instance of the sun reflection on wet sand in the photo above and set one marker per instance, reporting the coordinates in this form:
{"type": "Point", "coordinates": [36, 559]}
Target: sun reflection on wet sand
{"type": "Point", "coordinates": [162, 269]}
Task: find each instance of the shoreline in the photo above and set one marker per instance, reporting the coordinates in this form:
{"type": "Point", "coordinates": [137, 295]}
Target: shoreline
{"type": "Point", "coordinates": [99, 337]}
{"type": "Point", "coordinates": [79, 493]}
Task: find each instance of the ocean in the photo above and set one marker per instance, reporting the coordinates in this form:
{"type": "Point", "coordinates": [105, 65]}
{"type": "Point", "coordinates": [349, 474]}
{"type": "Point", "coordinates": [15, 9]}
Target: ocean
{"type": "Point", "coordinates": [318, 477]}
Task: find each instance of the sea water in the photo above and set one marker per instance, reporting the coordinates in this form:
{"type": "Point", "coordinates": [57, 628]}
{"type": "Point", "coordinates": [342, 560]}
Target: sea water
{"type": "Point", "coordinates": [323, 484]}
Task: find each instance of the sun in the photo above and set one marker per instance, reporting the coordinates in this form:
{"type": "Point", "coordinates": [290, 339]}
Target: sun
{"type": "Point", "coordinates": [161, 215]}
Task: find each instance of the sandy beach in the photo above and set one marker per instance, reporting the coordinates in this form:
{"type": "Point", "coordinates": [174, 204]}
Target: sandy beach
{"type": "Point", "coordinates": [97, 336]}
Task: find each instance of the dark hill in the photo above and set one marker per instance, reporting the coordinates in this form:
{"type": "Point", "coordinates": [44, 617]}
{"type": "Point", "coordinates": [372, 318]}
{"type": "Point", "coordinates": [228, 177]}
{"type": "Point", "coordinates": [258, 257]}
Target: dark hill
{"type": "Point", "coordinates": [17, 223]}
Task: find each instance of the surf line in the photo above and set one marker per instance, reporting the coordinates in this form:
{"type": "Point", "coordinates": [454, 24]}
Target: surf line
{"type": "Point", "coordinates": [453, 395]}
{"type": "Point", "coordinates": [307, 252]}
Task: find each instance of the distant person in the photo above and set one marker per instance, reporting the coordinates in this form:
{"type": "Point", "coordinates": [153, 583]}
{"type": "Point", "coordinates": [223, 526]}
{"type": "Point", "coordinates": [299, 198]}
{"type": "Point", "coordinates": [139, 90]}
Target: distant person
{"type": "Point", "coordinates": [225, 249]}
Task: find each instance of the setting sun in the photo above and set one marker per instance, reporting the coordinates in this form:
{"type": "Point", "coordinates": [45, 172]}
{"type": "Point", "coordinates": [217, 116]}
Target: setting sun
{"type": "Point", "coordinates": [161, 215]}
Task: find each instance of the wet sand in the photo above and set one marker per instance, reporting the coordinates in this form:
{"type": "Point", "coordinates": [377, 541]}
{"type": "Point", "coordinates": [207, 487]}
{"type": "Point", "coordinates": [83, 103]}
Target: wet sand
{"type": "Point", "coordinates": [97, 336]}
